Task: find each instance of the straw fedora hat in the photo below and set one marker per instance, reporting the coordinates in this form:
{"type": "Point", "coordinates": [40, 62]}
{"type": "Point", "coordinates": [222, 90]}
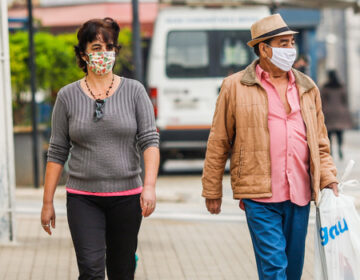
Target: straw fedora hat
{"type": "Point", "coordinates": [267, 28]}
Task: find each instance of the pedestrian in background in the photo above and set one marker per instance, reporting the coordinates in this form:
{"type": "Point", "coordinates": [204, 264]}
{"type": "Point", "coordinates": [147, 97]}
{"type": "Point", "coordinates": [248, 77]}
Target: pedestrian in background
{"type": "Point", "coordinates": [302, 64]}
{"type": "Point", "coordinates": [269, 117]}
{"type": "Point", "coordinates": [106, 122]}
{"type": "Point", "coordinates": [336, 110]}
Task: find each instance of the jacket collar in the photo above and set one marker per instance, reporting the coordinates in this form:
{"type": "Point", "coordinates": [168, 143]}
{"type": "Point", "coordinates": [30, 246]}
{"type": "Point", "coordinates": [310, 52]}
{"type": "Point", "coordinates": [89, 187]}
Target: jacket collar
{"type": "Point", "coordinates": [303, 82]}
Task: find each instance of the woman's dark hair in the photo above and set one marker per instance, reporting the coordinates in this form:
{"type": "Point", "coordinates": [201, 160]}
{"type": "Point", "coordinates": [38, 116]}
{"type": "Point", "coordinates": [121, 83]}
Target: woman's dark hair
{"type": "Point", "coordinates": [256, 47]}
{"type": "Point", "coordinates": [91, 30]}
{"type": "Point", "coordinates": [333, 80]}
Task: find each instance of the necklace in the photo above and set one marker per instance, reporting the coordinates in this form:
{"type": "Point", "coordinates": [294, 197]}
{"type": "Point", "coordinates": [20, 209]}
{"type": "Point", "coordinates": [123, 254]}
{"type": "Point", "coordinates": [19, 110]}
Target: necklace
{"type": "Point", "coordinates": [107, 92]}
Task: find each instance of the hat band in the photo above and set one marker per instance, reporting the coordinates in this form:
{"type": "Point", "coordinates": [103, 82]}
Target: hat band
{"type": "Point", "coordinates": [274, 32]}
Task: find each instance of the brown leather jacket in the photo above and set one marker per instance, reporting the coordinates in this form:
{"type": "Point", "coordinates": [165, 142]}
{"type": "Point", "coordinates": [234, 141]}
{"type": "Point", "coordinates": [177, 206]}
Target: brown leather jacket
{"type": "Point", "coordinates": [240, 127]}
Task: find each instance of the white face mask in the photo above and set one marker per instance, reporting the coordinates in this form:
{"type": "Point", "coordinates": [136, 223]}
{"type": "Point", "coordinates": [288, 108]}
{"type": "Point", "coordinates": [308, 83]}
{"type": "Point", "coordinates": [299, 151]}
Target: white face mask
{"type": "Point", "coordinates": [283, 58]}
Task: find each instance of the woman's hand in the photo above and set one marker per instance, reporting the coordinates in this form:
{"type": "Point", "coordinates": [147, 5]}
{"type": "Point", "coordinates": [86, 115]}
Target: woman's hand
{"type": "Point", "coordinates": [148, 200]}
{"type": "Point", "coordinates": [48, 217]}
{"type": "Point", "coordinates": [52, 176]}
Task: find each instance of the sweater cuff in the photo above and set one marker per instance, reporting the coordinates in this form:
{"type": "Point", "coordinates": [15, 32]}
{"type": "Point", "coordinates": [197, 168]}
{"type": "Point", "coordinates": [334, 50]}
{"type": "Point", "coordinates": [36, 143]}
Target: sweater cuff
{"type": "Point", "coordinates": [147, 139]}
{"type": "Point", "coordinates": [52, 159]}
{"type": "Point", "coordinates": [57, 153]}
{"type": "Point", "coordinates": [148, 145]}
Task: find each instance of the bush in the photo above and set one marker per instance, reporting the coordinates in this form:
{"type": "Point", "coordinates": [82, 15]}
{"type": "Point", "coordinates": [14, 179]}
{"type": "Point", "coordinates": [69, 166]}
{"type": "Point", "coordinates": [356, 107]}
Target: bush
{"type": "Point", "coordinates": [55, 66]}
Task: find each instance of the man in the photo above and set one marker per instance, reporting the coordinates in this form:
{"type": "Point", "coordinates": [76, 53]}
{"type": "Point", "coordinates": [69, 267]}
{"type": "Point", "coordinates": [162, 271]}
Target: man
{"type": "Point", "coordinates": [269, 117]}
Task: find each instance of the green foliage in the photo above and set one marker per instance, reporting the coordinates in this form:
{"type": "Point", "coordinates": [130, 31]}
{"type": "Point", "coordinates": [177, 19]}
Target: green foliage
{"type": "Point", "coordinates": [55, 61]}
{"type": "Point", "coordinates": [124, 59]}
{"type": "Point", "coordinates": [56, 64]}
{"type": "Point", "coordinates": [54, 58]}
{"type": "Point", "coordinates": [18, 62]}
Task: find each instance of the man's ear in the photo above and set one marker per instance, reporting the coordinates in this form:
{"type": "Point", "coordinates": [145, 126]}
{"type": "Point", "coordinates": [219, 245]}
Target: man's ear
{"type": "Point", "coordinates": [264, 50]}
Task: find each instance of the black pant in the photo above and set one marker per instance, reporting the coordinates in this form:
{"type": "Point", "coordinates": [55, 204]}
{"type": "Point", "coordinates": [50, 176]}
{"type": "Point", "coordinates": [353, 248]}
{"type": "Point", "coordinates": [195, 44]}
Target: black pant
{"type": "Point", "coordinates": [104, 226]}
{"type": "Point", "coordinates": [339, 136]}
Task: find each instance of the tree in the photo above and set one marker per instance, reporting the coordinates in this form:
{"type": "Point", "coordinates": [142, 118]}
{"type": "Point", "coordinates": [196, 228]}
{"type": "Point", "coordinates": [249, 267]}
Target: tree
{"type": "Point", "coordinates": [124, 65]}
{"type": "Point", "coordinates": [56, 65]}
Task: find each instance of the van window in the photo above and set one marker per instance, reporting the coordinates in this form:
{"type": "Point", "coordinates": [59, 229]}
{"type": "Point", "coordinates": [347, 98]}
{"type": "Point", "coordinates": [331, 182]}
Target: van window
{"type": "Point", "coordinates": [234, 53]}
{"type": "Point", "coordinates": [187, 54]}
{"type": "Point", "coordinates": [207, 53]}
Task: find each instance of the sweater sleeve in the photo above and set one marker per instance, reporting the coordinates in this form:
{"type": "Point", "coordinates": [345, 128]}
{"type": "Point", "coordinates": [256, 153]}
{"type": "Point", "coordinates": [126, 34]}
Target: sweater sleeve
{"type": "Point", "coordinates": [59, 145]}
{"type": "Point", "coordinates": [147, 135]}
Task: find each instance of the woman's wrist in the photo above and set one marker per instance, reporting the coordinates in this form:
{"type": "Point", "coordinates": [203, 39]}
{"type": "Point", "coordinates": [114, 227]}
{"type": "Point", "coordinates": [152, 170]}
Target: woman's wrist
{"type": "Point", "coordinates": [149, 186]}
{"type": "Point", "coordinates": [48, 201]}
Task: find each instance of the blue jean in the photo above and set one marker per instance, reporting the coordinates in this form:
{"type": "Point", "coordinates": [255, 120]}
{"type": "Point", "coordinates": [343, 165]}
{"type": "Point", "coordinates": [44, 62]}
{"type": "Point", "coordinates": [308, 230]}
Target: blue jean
{"type": "Point", "coordinates": [278, 233]}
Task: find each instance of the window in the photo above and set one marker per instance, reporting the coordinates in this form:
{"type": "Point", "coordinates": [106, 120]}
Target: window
{"type": "Point", "coordinates": [187, 54]}
{"type": "Point", "coordinates": [202, 54]}
{"type": "Point", "coordinates": [234, 54]}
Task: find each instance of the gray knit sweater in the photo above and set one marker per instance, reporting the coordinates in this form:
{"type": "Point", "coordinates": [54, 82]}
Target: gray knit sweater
{"type": "Point", "coordinates": [104, 155]}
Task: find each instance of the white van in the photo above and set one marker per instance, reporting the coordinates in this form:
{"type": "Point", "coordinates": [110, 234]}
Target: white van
{"type": "Point", "coordinates": [192, 50]}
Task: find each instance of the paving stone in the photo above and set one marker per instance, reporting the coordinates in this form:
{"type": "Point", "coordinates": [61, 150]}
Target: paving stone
{"type": "Point", "coordinates": [168, 250]}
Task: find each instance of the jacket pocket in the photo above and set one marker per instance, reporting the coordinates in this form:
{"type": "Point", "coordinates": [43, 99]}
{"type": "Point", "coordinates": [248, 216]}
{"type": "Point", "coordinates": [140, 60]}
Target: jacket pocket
{"type": "Point", "coordinates": [241, 161]}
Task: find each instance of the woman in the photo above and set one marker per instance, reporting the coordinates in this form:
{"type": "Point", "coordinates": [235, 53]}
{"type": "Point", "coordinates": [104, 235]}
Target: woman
{"type": "Point", "coordinates": [105, 121]}
{"type": "Point", "coordinates": [335, 108]}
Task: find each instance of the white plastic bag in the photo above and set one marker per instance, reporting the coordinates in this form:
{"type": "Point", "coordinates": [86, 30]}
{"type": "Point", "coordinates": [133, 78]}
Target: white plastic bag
{"type": "Point", "coordinates": [337, 235]}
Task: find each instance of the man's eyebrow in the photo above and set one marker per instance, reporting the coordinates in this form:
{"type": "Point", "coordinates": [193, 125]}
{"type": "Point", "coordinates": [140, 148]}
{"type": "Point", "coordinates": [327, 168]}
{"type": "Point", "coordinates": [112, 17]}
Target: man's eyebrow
{"type": "Point", "coordinates": [96, 45]}
{"type": "Point", "coordinates": [286, 40]}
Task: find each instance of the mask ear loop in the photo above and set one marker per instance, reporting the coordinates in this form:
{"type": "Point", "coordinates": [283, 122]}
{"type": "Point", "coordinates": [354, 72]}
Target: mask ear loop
{"type": "Point", "coordinates": [87, 62]}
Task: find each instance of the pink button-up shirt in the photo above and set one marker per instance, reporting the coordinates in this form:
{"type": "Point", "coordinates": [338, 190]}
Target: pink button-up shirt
{"type": "Point", "coordinates": [289, 152]}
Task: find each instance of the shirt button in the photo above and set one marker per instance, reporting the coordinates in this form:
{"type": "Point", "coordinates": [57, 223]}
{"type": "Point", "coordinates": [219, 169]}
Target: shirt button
{"type": "Point", "coordinates": [290, 154]}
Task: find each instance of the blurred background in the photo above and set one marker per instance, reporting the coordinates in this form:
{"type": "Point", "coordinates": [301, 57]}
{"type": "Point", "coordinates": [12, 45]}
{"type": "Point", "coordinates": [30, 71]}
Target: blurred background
{"type": "Point", "coordinates": [195, 45]}
{"type": "Point", "coordinates": [180, 50]}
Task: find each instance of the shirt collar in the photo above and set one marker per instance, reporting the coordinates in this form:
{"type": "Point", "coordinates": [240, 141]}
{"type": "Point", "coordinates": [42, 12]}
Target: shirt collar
{"type": "Point", "coordinates": [262, 74]}
{"type": "Point", "coordinates": [302, 82]}
{"type": "Point", "coordinates": [291, 76]}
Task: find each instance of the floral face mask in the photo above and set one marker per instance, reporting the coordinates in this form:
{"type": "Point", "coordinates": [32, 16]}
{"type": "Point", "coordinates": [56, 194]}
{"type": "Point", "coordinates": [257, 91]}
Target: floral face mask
{"type": "Point", "coordinates": [101, 63]}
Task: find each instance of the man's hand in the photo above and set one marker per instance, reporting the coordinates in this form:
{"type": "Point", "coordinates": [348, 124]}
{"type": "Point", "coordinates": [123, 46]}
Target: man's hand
{"type": "Point", "coordinates": [334, 187]}
{"type": "Point", "coordinates": [213, 205]}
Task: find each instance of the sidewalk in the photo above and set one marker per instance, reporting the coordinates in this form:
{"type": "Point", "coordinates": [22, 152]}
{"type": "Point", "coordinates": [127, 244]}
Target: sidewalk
{"type": "Point", "coordinates": [168, 250]}
{"type": "Point", "coordinates": [181, 241]}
